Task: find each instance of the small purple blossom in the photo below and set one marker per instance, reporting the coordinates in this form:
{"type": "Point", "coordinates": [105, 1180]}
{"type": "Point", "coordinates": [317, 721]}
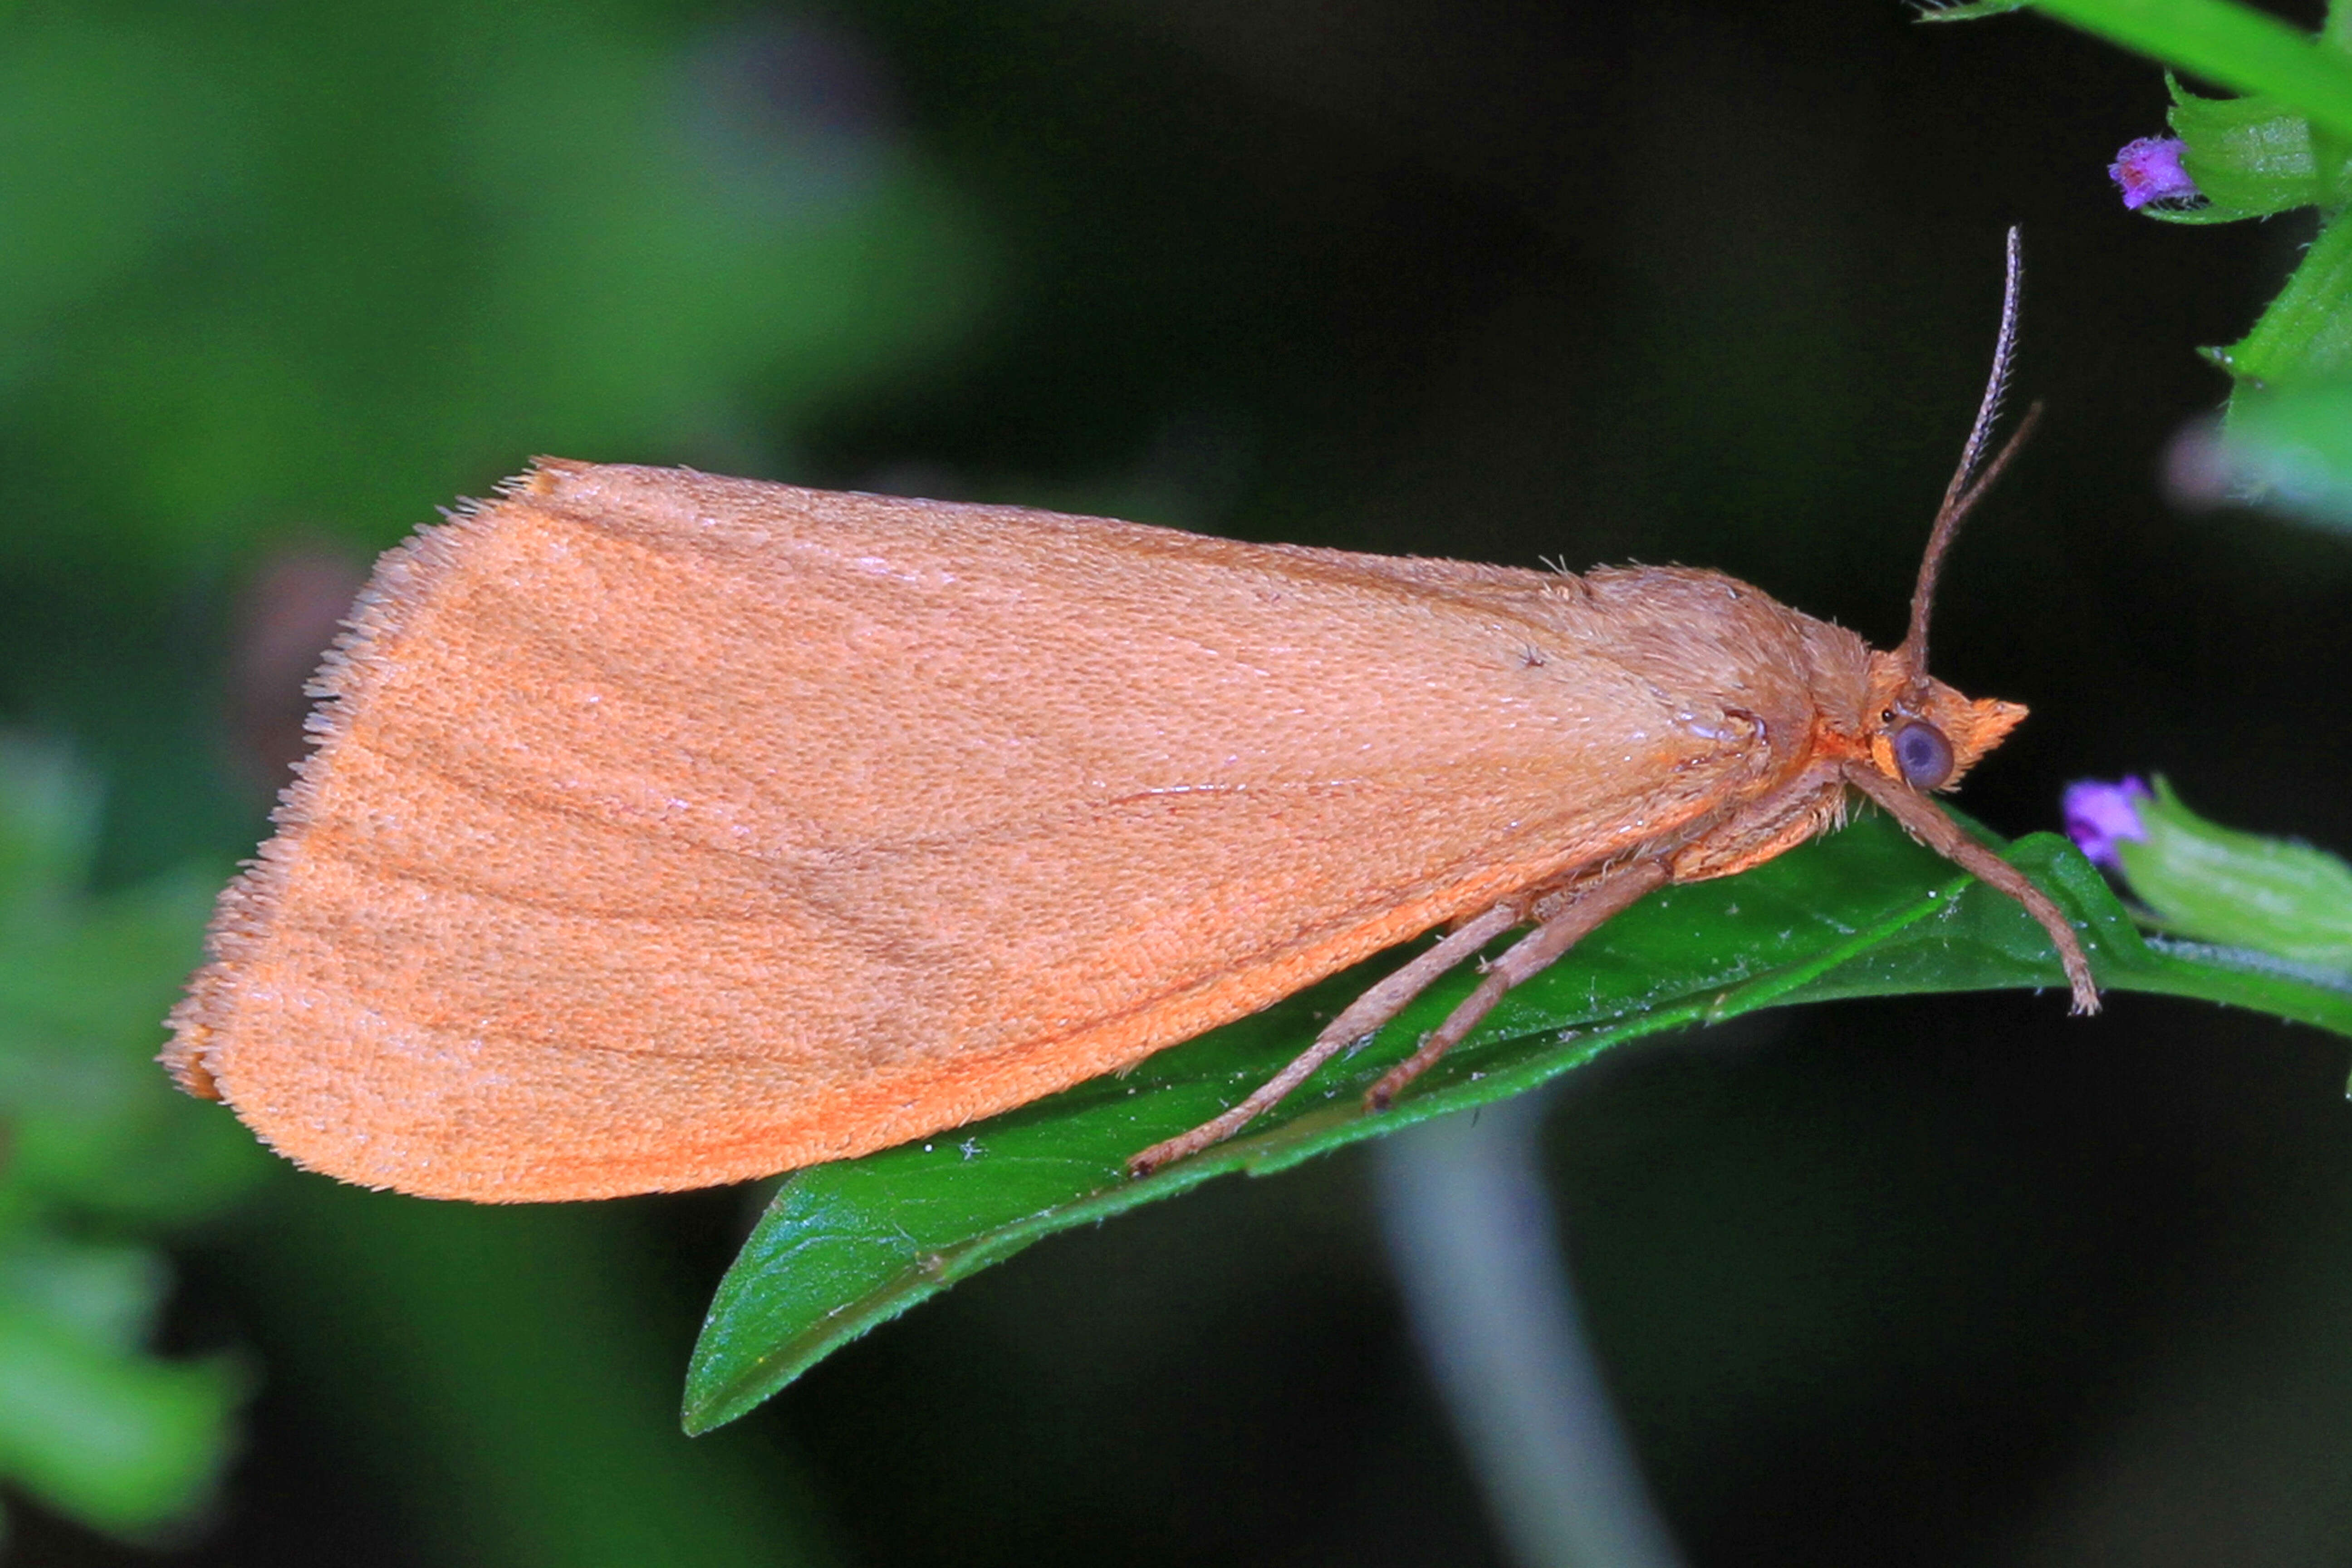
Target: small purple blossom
{"type": "Point", "coordinates": [2099, 816]}
{"type": "Point", "coordinates": [2148, 170]}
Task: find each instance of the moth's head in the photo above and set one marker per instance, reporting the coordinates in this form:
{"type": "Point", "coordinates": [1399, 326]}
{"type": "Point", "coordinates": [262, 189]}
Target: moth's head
{"type": "Point", "coordinates": [1921, 732]}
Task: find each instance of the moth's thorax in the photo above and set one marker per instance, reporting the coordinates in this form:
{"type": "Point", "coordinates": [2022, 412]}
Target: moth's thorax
{"type": "Point", "coordinates": [1733, 662]}
{"type": "Point", "coordinates": [1717, 641]}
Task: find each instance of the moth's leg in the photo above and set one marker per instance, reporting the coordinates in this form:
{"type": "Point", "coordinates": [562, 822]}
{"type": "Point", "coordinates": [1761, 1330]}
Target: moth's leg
{"type": "Point", "coordinates": [1366, 1014]}
{"type": "Point", "coordinates": [1530, 956]}
{"type": "Point", "coordinates": [1924, 822]}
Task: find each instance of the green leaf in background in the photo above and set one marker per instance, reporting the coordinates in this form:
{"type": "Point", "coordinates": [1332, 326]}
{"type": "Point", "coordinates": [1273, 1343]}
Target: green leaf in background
{"type": "Point", "coordinates": [326, 267]}
{"type": "Point", "coordinates": [845, 1246]}
{"type": "Point", "coordinates": [99, 1150]}
{"type": "Point", "coordinates": [2289, 450]}
{"type": "Point", "coordinates": [123, 1441]}
{"type": "Point", "coordinates": [2285, 145]}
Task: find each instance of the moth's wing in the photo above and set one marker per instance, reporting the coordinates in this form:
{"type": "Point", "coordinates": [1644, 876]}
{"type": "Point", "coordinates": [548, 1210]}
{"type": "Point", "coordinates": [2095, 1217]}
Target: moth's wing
{"type": "Point", "coordinates": [667, 830]}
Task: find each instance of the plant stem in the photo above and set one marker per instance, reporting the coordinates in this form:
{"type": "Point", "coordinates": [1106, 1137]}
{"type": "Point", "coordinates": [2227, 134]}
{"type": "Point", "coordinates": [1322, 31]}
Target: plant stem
{"type": "Point", "coordinates": [1469, 1224]}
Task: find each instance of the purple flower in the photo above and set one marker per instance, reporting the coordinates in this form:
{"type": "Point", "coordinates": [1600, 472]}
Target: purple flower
{"type": "Point", "coordinates": [2148, 170]}
{"type": "Point", "coordinates": [2099, 816]}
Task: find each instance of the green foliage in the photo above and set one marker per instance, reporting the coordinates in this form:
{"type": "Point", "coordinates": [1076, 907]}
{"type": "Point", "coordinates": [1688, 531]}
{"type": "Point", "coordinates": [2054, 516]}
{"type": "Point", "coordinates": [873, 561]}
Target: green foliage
{"type": "Point", "coordinates": [2222, 41]}
{"type": "Point", "coordinates": [1865, 912]}
{"type": "Point", "coordinates": [327, 265]}
{"type": "Point", "coordinates": [2242, 889]}
{"type": "Point", "coordinates": [2251, 157]}
{"type": "Point", "coordinates": [2234, 45]}
{"type": "Point", "coordinates": [2286, 442]}
{"type": "Point", "coordinates": [2305, 336]}
{"type": "Point", "coordinates": [100, 1153]}
{"type": "Point", "coordinates": [2291, 448]}
{"type": "Point", "coordinates": [2285, 145]}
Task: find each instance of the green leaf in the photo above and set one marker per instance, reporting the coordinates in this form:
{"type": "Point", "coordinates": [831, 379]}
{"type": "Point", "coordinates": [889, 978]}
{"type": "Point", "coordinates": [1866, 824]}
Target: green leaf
{"type": "Point", "coordinates": [2217, 884]}
{"type": "Point", "coordinates": [845, 1246]}
{"type": "Point", "coordinates": [2307, 333]}
{"type": "Point", "coordinates": [2290, 449]}
{"type": "Point", "coordinates": [91, 1421]}
{"type": "Point", "coordinates": [84, 984]}
{"type": "Point", "coordinates": [341, 262]}
{"type": "Point", "coordinates": [2236, 46]}
{"type": "Point", "coordinates": [126, 1443]}
{"type": "Point", "coordinates": [2251, 157]}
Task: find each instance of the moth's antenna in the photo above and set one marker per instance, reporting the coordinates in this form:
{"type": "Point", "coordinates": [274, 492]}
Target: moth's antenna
{"type": "Point", "coordinates": [1960, 496]}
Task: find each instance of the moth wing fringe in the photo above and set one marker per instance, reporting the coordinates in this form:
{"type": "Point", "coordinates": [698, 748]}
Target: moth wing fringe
{"type": "Point", "coordinates": [402, 582]}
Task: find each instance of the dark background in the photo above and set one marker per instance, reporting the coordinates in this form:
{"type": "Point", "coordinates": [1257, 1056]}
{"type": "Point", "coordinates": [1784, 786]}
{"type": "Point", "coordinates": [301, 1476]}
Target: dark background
{"type": "Point", "coordinates": [1950, 1282]}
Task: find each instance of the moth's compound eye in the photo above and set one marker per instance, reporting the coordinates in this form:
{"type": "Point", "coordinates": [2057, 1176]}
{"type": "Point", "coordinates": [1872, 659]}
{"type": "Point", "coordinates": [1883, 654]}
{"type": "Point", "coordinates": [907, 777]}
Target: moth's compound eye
{"type": "Point", "coordinates": [1923, 755]}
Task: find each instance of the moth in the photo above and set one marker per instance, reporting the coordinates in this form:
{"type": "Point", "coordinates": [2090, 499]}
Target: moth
{"type": "Point", "coordinates": [665, 830]}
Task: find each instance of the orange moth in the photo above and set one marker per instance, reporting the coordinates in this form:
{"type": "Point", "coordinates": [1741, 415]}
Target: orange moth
{"type": "Point", "coordinates": [665, 830]}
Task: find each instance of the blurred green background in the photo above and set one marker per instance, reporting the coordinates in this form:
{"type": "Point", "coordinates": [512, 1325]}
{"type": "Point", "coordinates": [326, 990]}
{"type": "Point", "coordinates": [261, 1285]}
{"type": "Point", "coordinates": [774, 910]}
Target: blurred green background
{"type": "Point", "coordinates": [1957, 1282]}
